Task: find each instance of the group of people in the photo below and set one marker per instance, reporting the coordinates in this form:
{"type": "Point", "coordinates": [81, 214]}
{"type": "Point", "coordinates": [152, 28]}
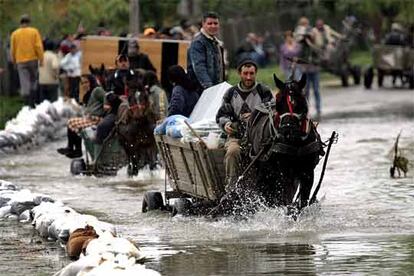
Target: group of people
{"type": "Point", "coordinates": [47, 68]}
{"type": "Point", "coordinates": [108, 100]}
{"type": "Point", "coordinates": [313, 45]}
{"type": "Point", "coordinates": [43, 66]}
{"type": "Point", "coordinates": [135, 76]}
{"type": "Point", "coordinates": [253, 47]}
{"type": "Point", "coordinates": [205, 67]}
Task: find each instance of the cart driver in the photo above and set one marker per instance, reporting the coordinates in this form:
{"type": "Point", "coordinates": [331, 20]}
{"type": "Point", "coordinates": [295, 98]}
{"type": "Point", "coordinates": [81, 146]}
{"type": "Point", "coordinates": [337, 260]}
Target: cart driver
{"type": "Point", "coordinates": [238, 103]}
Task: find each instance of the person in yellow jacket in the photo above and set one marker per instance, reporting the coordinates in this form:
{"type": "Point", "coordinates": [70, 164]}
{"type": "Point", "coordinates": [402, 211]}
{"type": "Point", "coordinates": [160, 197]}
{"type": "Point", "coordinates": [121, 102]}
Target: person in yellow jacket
{"type": "Point", "coordinates": [27, 52]}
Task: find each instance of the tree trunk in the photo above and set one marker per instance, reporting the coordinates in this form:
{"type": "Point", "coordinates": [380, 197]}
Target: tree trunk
{"type": "Point", "coordinates": [134, 17]}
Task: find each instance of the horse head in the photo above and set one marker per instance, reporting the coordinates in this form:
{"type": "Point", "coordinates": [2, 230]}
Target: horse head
{"type": "Point", "coordinates": [100, 73]}
{"type": "Point", "coordinates": [291, 98]}
{"type": "Point", "coordinates": [291, 116]}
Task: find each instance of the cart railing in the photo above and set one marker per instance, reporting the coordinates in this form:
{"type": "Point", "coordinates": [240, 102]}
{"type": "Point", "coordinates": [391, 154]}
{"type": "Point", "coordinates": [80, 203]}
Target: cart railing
{"type": "Point", "coordinates": [390, 57]}
{"type": "Point", "coordinates": [192, 169]}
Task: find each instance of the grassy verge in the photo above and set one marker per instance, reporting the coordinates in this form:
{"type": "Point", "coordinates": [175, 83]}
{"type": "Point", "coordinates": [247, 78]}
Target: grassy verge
{"type": "Point", "coordinates": [9, 107]}
{"type": "Point", "coordinates": [362, 58]}
{"type": "Point", "coordinates": [264, 75]}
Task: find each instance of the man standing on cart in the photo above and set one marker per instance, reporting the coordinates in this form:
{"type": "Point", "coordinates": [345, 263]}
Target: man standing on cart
{"type": "Point", "coordinates": [205, 56]}
{"type": "Point", "coordinates": [238, 103]}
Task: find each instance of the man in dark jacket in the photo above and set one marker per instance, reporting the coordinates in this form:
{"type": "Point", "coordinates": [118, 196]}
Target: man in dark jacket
{"type": "Point", "coordinates": [138, 60]}
{"type": "Point", "coordinates": [397, 36]}
{"type": "Point", "coordinates": [105, 126]}
{"type": "Point", "coordinates": [205, 56]}
{"type": "Point", "coordinates": [122, 74]}
{"type": "Point", "coordinates": [238, 103]}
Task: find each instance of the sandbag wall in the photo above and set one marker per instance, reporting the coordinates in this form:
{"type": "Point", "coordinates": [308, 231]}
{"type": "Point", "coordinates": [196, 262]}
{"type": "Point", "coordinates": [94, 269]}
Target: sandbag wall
{"type": "Point", "coordinates": [34, 126]}
{"type": "Point", "coordinates": [94, 243]}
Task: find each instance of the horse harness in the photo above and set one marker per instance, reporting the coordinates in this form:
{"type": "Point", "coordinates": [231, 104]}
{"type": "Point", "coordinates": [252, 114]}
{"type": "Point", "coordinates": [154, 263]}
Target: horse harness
{"type": "Point", "coordinates": [279, 141]}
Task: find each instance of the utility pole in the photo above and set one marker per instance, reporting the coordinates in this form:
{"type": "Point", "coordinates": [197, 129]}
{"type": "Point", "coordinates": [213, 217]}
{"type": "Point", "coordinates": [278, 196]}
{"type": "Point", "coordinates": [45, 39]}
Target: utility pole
{"type": "Point", "coordinates": [134, 17]}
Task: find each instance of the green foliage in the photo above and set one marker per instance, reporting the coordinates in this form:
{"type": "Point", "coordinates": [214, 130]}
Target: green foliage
{"type": "Point", "coordinates": [158, 13]}
{"type": "Point", "coordinates": [55, 17]}
{"type": "Point", "coordinates": [114, 14]}
{"type": "Point", "coordinates": [9, 107]}
{"type": "Point", "coordinates": [239, 7]}
{"type": "Point", "coordinates": [362, 58]}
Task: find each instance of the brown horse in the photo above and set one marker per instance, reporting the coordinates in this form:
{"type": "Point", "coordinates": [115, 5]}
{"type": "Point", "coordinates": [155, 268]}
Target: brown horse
{"type": "Point", "coordinates": [135, 129]}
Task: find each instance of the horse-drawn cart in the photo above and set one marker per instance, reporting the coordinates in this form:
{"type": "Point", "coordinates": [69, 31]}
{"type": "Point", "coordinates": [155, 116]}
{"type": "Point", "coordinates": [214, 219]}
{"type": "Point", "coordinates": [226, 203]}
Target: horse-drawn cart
{"type": "Point", "coordinates": [391, 60]}
{"type": "Point", "coordinates": [101, 159]}
{"type": "Point", "coordinates": [194, 172]}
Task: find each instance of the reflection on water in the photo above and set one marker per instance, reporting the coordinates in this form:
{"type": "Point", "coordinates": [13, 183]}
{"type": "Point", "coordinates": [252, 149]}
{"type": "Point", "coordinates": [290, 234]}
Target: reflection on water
{"type": "Point", "coordinates": [242, 259]}
{"type": "Point", "coordinates": [23, 252]}
{"type": "Point", "coordinates": [363, 225]}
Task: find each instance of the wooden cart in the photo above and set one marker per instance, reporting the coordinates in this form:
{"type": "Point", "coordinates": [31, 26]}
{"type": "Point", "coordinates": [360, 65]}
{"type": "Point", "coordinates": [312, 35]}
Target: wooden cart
{"type": "Point", "coordinates": [391, 60]}
{"type": "Point", "coordinates": [193, 171]}
{"type": "Point", "coordinates": [101, 159]}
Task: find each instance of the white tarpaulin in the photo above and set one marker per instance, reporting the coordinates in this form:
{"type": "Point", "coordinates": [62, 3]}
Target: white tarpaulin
{"type": "Point", "coordinates": [209, 103]}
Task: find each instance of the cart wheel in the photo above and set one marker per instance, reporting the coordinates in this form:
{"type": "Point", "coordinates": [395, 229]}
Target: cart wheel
{"type": "Point", "coordinates": [182, 206]}
{"type": "Point", "coordinates": [368, 77]}
{"type": "Point", "coordinates": [356, 74]}
{"type": "Point", "coordinates": [77, 166]}
{"type": "Point", "coordinates": [411, 79]}
{"type": "Point", "coordinates": [380, 77]}
{"type": "Point", "coordinates": [152, 201]}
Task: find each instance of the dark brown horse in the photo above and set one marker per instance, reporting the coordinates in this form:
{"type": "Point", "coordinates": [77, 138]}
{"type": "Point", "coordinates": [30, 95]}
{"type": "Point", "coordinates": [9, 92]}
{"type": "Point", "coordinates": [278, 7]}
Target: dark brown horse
{"type": "Point", "coordinates": [288, 144]}
{"type": "Point", "coordinates": [100, 74]}
{"type": "Point", "coordinates": [135, 128]}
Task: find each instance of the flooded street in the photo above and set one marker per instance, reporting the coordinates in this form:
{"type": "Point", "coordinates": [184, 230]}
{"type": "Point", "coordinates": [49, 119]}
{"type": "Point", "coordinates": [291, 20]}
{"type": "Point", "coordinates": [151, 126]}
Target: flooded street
{"type": "Point", "coordinates": [364, 224]}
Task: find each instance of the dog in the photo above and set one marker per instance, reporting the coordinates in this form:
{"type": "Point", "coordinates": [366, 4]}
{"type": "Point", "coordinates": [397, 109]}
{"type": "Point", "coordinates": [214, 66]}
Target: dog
{"type": "Point", "coordinates": [78, 241]}
{"type": "Point", "coordinates": [400, 163]}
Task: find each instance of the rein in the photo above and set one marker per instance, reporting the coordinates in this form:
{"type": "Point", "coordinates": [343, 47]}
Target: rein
{"type": "Point", "coordinates": [289, 103]}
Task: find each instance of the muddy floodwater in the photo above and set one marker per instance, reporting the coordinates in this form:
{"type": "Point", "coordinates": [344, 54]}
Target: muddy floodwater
{"type": "Point", "coordinates": [364, 224]}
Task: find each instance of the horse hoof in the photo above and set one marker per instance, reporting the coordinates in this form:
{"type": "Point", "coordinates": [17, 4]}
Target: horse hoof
{"type": "Point", "coordinates": [293, 212]}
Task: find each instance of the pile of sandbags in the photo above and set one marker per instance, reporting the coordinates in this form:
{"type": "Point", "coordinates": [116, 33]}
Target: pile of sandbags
{"type": "Point", "coordinates": [94, 243]}
{"type": "Point", "coordinates": [34, 126]}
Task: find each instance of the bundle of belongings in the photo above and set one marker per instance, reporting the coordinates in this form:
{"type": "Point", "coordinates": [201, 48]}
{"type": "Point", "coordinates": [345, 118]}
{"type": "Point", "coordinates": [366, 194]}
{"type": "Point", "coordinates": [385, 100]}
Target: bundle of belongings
{"type": "Point", "coordinates": [202, 118]}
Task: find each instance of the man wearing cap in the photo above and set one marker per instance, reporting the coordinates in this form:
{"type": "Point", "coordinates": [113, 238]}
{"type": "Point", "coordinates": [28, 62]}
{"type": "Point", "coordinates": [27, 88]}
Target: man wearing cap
{"type": "Point", "coordinates": [238, 103]}
{"type": "Point", "coordinates": [205, 56]}
{"type": "Point", "coordinates": [27, 52]}
{"type": "Point", "coordinates": [123, 73]}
